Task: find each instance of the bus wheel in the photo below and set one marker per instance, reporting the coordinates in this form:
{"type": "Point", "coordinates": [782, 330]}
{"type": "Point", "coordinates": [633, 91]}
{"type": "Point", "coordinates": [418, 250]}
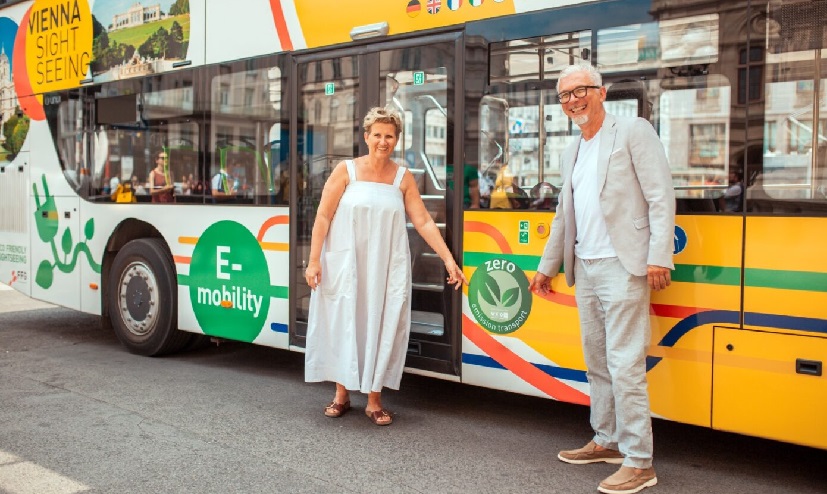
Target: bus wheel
{"type": "Point", "coordinates": [143, 299]}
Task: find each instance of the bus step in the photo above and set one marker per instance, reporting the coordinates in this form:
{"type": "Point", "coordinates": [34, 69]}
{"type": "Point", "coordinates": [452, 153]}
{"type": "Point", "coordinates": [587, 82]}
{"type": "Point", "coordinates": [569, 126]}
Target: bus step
{"type": "Point", "coordinates": [428, 287]}
{"type": "Point", "coordinates": [441, 226]}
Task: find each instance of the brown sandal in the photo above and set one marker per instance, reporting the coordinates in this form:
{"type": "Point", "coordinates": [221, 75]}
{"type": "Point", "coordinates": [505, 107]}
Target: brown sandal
{"type": "Point", "coordinates": [336, 410]}
{"type": "Point", "coordinates": [375, 415]}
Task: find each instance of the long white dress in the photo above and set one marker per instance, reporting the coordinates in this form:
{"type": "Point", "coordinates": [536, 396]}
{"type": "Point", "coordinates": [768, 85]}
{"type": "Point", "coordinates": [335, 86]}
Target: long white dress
{"type": "Point", "coordinates": [360, 314]}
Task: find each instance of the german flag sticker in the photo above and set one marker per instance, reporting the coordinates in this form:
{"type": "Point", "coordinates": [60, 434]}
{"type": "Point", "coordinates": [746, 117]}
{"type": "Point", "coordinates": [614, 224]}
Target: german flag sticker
{"type": "Point", "coordinates": [413, 8]}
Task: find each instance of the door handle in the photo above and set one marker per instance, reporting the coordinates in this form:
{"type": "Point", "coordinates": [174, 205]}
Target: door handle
{"type": "Point", "coordinates": [808, 367]}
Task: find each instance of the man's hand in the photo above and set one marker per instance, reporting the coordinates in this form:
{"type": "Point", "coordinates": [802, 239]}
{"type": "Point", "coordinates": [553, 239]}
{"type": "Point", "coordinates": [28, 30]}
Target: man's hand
{"type": "Point", "coordinates": [658, 277]}
{"type": "Point", "coordinates": [540, 284]}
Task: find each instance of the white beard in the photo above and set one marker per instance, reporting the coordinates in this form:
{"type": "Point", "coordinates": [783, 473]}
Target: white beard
{"type": "Point", "coordinates": [581, 120]}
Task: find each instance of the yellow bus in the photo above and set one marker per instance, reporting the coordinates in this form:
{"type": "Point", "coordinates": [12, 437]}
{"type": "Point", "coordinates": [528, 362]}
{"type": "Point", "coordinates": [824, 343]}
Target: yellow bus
{"type": "Point", "coordinates": [161, 166]}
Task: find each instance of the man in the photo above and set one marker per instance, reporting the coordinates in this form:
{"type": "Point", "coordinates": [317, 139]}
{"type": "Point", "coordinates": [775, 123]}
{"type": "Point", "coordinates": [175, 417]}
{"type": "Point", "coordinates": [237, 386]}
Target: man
{"type": "Point", "coordinates": [613, 233]}
{"type": "Point", "coordinates": [222, 186]}
{"type": "Point", "coordinates": [734, 194]}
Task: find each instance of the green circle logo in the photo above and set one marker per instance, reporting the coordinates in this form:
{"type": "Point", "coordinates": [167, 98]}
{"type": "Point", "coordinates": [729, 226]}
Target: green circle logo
{"type": "Point", "coordinates": [499, 297]}
{"type": "Point", "coordinates": [229, 282]}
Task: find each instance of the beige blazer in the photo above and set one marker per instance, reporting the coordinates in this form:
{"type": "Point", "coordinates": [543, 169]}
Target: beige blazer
{"type": "Point", "coordinates": [636, 197]}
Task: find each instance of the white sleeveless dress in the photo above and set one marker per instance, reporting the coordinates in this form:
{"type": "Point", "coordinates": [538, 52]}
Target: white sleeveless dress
{"type": "Point", "coordinates": [360, 314]}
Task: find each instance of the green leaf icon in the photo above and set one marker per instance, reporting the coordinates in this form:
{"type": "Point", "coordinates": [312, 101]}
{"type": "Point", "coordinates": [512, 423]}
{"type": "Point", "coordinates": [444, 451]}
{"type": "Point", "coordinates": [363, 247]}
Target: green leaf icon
{"type": "Point", "coordinates": [510, 296]}
{"type": "Point", "coordinates": [89, 229]}
{"type": "Point", "coordinates": [490, 291]}
{"type": "Point", "coordinates": [44, 276]}
{"type": "Point", "coordinates": [66, 241]}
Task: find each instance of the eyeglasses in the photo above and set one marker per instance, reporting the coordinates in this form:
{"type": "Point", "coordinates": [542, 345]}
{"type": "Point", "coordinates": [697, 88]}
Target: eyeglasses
{"type": "Point", "coordinates": [579, 91]}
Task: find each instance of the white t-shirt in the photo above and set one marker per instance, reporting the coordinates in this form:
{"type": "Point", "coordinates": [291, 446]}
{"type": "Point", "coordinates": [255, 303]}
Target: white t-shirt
{"type": "Point", "coordinates": [593, 240]}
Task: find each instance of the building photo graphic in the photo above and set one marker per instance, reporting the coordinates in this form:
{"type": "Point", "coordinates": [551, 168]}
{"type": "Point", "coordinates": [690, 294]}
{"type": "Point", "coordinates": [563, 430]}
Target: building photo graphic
{"type": "Point", "coordinates": [133, 39]}
{"type": "Point", "coordinates": [14, 125]}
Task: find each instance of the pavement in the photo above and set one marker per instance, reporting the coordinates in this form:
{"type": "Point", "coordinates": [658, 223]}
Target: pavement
{"type": "Point", "coordinates": [80, 414]}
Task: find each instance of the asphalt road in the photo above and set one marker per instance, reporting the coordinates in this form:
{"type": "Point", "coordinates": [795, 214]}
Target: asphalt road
{"type": "Point", "coordinates": [80, 414]}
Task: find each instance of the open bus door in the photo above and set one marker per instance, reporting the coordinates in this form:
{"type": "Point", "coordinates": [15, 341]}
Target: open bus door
{"type": "Point", "coordinates": [335, 90]}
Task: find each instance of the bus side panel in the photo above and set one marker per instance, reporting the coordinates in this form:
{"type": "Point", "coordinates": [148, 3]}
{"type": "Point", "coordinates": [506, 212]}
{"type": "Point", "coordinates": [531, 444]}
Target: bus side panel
{"type": "Point", "coordinates": [58, 244]}
{"type": "Point", "coordinates": [771, 385]}
{"type": "Point", "coordinates": [197, 50]}
{"type": "Point", "coordinates": [99, 222]}
{"type": "Point", "coordinates": [226, 21]}
{"type": "Point", "coordinates": [15, 218]}
{"type": "Point", "coordinates": [542, 354]}
{"type": "Point", "coordinates": [232, 268]}
{"type": "Point", "coordinates": [528, 344]}
{"type": "Point", "coordinates": [786, 274]}
{"type": "Point", "coordinates": [705, 290]}
{"type": "Point", "coordinates": [770, 382]}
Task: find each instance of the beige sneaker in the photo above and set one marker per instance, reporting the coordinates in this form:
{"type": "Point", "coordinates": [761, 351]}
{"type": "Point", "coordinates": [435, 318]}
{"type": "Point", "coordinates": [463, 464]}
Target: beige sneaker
{"type": "Point", "coordinates": [628, 481]}
{"type": "Point", "coordinates": [590, 454]}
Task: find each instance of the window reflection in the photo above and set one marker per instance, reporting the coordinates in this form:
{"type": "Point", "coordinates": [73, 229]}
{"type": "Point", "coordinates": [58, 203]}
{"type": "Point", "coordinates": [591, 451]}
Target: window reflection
{"type": "Point", "coordinates": [247, 155]}
{"type": "Point", "coordinates": [658, 71]}
{"type": "Point", "coordinates": [791, 173]}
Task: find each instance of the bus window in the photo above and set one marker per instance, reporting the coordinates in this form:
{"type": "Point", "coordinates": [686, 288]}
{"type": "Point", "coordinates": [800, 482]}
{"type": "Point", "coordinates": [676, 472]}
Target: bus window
{"type": "Point", "coordinates": [436, 127]}
{"type": "Point", "coordinates": [393, 100]}
{"type": "Point", "coordinates": [71, 142]}
{"type": "Point", "coordinates": [520, 145]}
{"type": "Point", "coordinates": [522, 128]}
{"type": "Point", "coordinates": [789, 174]}
{"type": "Point", "coordinates": [140, 131]}
{"type": "Point", "coordinates": [694, 129]}
{"type": "Point", "coordinates": [419, 97]}
{"type": "Point", "coordinates": [672, 86]}
{"type": "Point", "coordinates": [166, 113]}
{"type": "Point", "coordinates": [245, 112]}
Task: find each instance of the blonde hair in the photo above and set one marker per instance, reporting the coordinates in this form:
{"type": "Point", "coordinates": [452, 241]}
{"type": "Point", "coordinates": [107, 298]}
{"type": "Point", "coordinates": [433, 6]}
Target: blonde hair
{"type": "Point", "coordinates": [383, 115]}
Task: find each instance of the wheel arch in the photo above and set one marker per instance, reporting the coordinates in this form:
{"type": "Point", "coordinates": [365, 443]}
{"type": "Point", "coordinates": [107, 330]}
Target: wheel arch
{"type": "Point", "coordinates": [127, 230]}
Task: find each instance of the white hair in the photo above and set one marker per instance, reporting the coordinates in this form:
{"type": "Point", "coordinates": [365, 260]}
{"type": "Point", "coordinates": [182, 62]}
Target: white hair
{"type": "Point", "coordinates": [594, 75]}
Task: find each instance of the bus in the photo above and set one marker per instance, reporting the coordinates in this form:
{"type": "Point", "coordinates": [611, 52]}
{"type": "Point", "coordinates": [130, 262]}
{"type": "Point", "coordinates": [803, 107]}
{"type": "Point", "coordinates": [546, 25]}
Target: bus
{"type": "Point", "coordinates": [239, 110]}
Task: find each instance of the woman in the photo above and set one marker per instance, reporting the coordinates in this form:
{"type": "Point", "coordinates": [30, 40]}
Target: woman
{"type": "Point", "coordinates": [360, 315]}
{"type": "Point", "coordinates": [160, 180]}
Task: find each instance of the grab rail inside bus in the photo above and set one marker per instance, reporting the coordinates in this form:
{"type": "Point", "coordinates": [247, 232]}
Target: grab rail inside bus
{"type": "Point", "coordinates": [435, 102]}
{"type": "Point", "coordinates": [499, 155]}
{"type": "Point", "coordinates": [429, 170]}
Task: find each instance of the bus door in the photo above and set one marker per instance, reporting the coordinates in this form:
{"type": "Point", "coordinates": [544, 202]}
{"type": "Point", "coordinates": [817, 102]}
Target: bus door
{"type": "Point", "coordinates": [335, 90]}
{"type": "Point", "coordinates": [769, 374]}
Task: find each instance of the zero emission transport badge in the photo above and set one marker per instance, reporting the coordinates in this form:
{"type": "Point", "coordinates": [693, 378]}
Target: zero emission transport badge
{"type": "Point", "coordinates": [499, 297]}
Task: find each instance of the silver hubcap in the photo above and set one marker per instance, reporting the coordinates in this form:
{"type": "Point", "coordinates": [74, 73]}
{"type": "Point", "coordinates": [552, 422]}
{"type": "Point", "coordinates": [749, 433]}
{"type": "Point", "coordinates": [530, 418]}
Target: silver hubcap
{"type": "Point", "coordinates": [138, 298]}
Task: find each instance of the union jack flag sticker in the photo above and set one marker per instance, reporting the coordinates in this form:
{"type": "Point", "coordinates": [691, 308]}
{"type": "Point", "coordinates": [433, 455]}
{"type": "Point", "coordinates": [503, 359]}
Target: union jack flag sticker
{"type": "Point", "coordinates": [433, 6]}
{"type": "Point", "coordinates": [454, 4]}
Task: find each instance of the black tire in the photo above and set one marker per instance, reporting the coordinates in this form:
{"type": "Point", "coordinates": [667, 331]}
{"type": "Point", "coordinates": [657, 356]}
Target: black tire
{"type": "Point", "coordinates": [143, 299]}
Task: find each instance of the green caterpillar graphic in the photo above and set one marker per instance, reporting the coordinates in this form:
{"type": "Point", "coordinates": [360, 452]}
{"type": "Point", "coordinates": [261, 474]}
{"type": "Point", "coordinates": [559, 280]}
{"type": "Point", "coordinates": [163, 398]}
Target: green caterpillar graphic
{"type": "Point", "coordinates": [47, 222]}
